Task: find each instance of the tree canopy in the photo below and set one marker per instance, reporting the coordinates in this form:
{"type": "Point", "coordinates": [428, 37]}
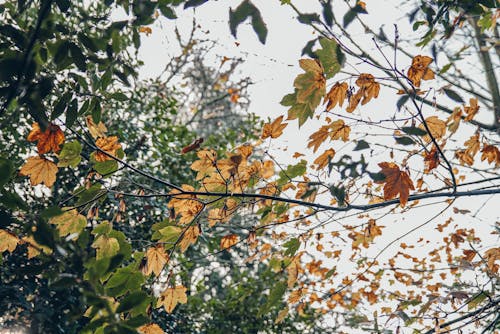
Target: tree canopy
{"type": "Point", "coordinates": [163, 205]}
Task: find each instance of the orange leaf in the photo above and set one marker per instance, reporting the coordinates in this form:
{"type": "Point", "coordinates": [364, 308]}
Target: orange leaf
{"type": "Point", "coordinates": [419, 70]}
{"type": "Point", "coordinates": [190, 237]}
{"type": "Point", "coordinates": [368, 87]}
{"type": "Point", "coordinates": [146, 30]}
{"type": "Point", "coordinates": [492, 255]}
{"type": "Point", "coordinates": [436, 126]}
{"type": "Point", "coordinates": [47, 141]}
{"type": "Point", "coordinates": [40, 170]}
{"type": "Point", "coordinates": [431, 160]}
{"type": "Point", "coordinates": [228, 241]}
{"type": "Point", "coordinates": [396, 182]}
{"type": "Point", "coordinates": [8, 241]}
{"type": "Point", "coordinates": [274, 129]}
{"type": "Point", "coordinates": [96, 131]}
{"type": "Point", "coordinates": [150, 329]}
{"type": "Point", "coordinates": [109, 145]}
{"type": "Point", "coordinates": [471, 110]}
{"type": "Point", "coordinates": [491, 154]}
{"type": "Point", "coordinates": [337, 94]}
{"type": "Point", "coordinates": [339, 130]}
{"type": "Point", "coordinates": [323, 159]}
{"type": "Point", "coordinates": [171, 297]}
{"type": "Point", "coordinates": [317, 138]}
{"type": "Point", "coordinates": [156, 260]}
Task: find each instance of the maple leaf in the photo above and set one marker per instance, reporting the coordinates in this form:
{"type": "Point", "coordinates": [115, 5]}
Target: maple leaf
{"type": "Point", "coordinates": [40, 170]}
{"type": "Point", "coordinates": [436, 126]}
{"type": "Point", "coordinates": [171, 297]}
{"type": "Point", "coordinates": [368, 87]}
{"type": "Point", "coordinates": [206, 163]}
{"type": "Point", "coordinates": [156, 260]}
{"type": "Point", "coordinates": [228, 241]}
{"type": "Point", "coordinates": [105, 246]}
{"type": "Point", "coordinates": [274, 129]}
{"type": "Point", "coordinates": [150, 329]}
{"type": "Point", "coordinates": [267, 169]}
{"type": "Point", "coordinates": [472, 145]}
{"type": "Point", "coordinates": [471, 110]}
{"type": "Point", "coordinates": [337, 94]}
{"type": "Point", "coordinates": [109, 145]}
{"type": "Point", "coordinates": [96, 130]}
{"type": "Point", "coordinates": [69, 222]}
{"type": "Point", "coordinates": [492, 255]}
{"type": "Point", "coordinates": [318, 137]}
{"type": "Point", "coordinates": [464, 157]}
{"type": "Point", "coordinates": [70, 154]}
{"type": "Point", "coordinates": [8, 241]}
{"type": "Point", "coordinates": [146, 30]}
{"type": "Point", "coordinates": [222, 214]}
{"type": "Point", "coordinates": [491, 154]}
{"type": "Point", "coordinates": [34, 248]}
{"type": "Point", "coordinates": [190, 237]}
{"type": "Point", "coordinates": [396, 182]}
{"type": "Point", "coordinates": [431, 160]}
{"type": "Point", "coordinates": [293, 270]}
{"type": "Point", "coordinates": [310, 85]}
{"type": "Point", "coordinates": [324, 158]}
{"type": "Point", "coordinates": [419, 70]}
{"type": "Point", "coordinates": [338, 130]}
{"type": "Point", "coordinates": [454, 120]}
{"type": "Point", "coordinates": [49, 140]}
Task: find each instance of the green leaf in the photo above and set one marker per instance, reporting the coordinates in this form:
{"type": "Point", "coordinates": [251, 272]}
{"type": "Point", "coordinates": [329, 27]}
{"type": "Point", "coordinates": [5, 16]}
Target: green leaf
{"type": "Point", "coordinates": [401, 101]}
{"type": "Point", "coordinates": [106, 247]}
{"type": "Point", "coordinates": [404, 140]}
{"type": "Point", "coordinates": [292, 171]}
{"type": "Point", "coordinates": [259, 26]}
{"type": "Point", "coordinates": [292, 246]}
{"type": "Point", "coordinates": [339, 193]}
{"type": "Point", "coordinates": [308, 18]}
{"type": "Point", "coordinates": [194, 3]}
{"type": "Point", "coordinates": [88, 196]}
{"type": "Point", "coordinates": [69, 222]}
{"type": "Point", "coordinates": [6, 171]}
{"type": "Point", "coordinates": [327, 12]}
{"type": "Point", "coordinates": [453, 95]}
{"type": "Point", "coordinates": [61, 105]}
{"type": "Point", "coordinates": [413, 130]}
{"type": "Point", "coordinates": [476, 300]}
{"type": "Point", "coordinates": [275, 295]}
{"type": "Point", "coordinates": [132, 300]}
{"type": "Point", "coordinates": [106, 167]}
{"type": "Point", "coordinates": [72, 113]}
{"type": "Point", "coordinates": [330, 56]}
{"type": "Point", "coordinates": [245, 10]}
{"type": "Point", "coordinates": [70, 154]}
{"type": "Point", "coordinates": [361, 145]}
{"type": "Point", "coordinates": [63, 5]}
{"type": "Point", "coordinates": [169, 235]}
{"type": "Point", "coordinates": [78, 57]}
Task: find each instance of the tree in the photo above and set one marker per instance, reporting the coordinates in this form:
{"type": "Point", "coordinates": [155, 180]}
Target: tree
{"type": "Point", "coordinates": [323, 225]}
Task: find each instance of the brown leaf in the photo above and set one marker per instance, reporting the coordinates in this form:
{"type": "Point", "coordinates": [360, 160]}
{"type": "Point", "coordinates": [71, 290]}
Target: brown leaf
{"type": "Point", "coordinates": [228, 241]}
{"type": "Point", "coordinates": [190, 237]}
{"type": "Point", "coordinates": [96, 131]}
{"type": "Point", "coordinates": [40, 170]}
{"type": "Point", "coordinates": [492, 255]}
{"type": "Point", "coordinates": [396, 182]}
{"type": "Point", "coordinates": [156, 260]}
{"type": "Point", "coordinates": [274, 129]}
{"type": "Point", "coordinates": [419, 70]}
{"type": "Point", "coordinates": [339, 130]}
{"type": "Point", "coordinates": [431, 160]}
{"type": "Point", "coordinates": [436, 126]}
{"type": "Point", "coordinates": [337, 94]}
{"type": "Point", "coordinates": [171, 297]}
{"type": "Point", "coordinates": [150, 329]}
{"type": "Point", "coordinates": [109, 145]}
{"type": "Point", "coordinates": [324, 158]}
{"type": "Point", "coordinates": [8, 241]}
{"type": "Point", "coordinates": [49, 140]}
{"type": "Point", "coordinates": [491, 154]}
{"type": "Point", "coordinates": [471, 110]}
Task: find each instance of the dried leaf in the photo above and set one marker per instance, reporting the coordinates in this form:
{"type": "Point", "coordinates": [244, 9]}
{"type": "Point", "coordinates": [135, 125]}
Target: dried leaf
{"type": "Point", "coordinates": [49, 140]}
{"type": "Point", "coordinates": [491, 154]}
{"type": "Point", "coordinates": [190, 237]}
{"type": "Point", "coordinates": [274, 129]}
{"type": "Point", "coordinates": [150, 329]}
{"type": "Point", "coordinates": [324, 158]}
{"type": "Point", "coordinates": [228, 241]}
{"type": "Point", "coordinates": [156, 260]}
{"type": "Point", "coordinates": [396, 182]}
{"type": "Point", "coordinates": [8, 241]}
{"type": "Point", "coordinates": [70, 222]}
{"type": "Point", "coordinates": [171, 297]}
{"type": "Point", "coordinates": [431, 160]}
{"type": "Point", "coordinates": [471, 110]}
{"type": "Point", "coordinates": [109, 145]}
{"type": "Point", "coordinates": [96, 131]}
{"type": "Point", "coordinates": [419, 70]}
{"type": "Point", "coordinates": [337, 94]}
{"type": "Point", "coordinates": [436, 126]}
{"type": "Point", "coordinates": [40, 170]}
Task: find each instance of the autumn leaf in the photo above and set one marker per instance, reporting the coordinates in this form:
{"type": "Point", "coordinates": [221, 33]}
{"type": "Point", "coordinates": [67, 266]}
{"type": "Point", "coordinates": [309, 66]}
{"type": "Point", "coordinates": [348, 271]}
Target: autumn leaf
{"type": "Point", "coordinates": [228, 241]}
{"type": "Point", "coordinates": [431, 160]}
{"type": "Point", "coordinates": [190, 237]}
{"type": "Point", "coordinates": [96, 130]}
{"type": "Point", "coordinates": [34, 248]}
{"type": "Point", "coordinates": [70, 154]}
{"type": "Point", "coordinates": [40, 170]}
{"type": "Point", "coordinates": [318, 138]}
{"type": "Point", "coordinates": [436, 127]}
{"type": "Point", "coordinates": [105, 246]}
{"type": "Point", "coordinates": [339, 130]}
{"type": "Point", "coordinates": [49, 140]}
{"type": "Point", "coordinates": [171, 297]}
{"type": "Point", "coordinates": [150, 329]}
{"type": "Point", "coordinates": [206, 163]}
{"type": "Point", "coordinates": [368, 87]}
{"type": "Point", "coordinates": [69, 222]}
{"type": "Point", "coordinates": [193, 146]}
{"type": "Point", "coordinates": [419, 70]}
{"type": "Point", "coordinates": [274, 129]}
{"type": "Point", "coordinates": [109, 145]}
{"type": "Point", "coordinates": [396, 182]}
{"type": "Point", "coordinates": [471, 110]}
{"type": "Point", "coordinates": [156, 260]}
{"type": "Point", "coordinates": [8, 241]}
{"type": "Point", "coordinates": [454, 120]}
{"type": "Point", "coordinates": [324, 158]}
{"type": "Point", "coordinates": [491, 154]}
{"type": "Point", "coordinates": [336, 95]}
{"type": "Point", "coordinates": [472, 145]}
{"type": "Point", "coordinates": [145, 30]}
{"type": "Point", "coordinates": [491, 256]}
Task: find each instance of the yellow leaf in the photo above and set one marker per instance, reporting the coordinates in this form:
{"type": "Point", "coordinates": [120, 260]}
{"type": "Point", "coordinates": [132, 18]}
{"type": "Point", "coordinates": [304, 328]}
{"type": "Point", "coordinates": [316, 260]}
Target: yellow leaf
{"type": "Point", "coordinates": [339, 130]}
{"type": "Point", "coordinates": [40, 170]}
{"type": "Point", "coordinates": [105, 246]}
{"type": "Point", "coordinates": [396, 182]}
{"type": "Point", "coordinates": [324, 158]}
{"type": "Point", "coordinates": [96, 131]}
{"type": "Point", "coordinates": [171, 297]}
{"type": "Point", "coordinates": [436, 126]}
{"type": "Point", "coordinates": [281, 315]}
{"type": "Point", "coordinates": [228, 241]}
{"type": "Point", "coordinates": [293, 271]}
{"type": "Point", "coordinates": [69, 222]}
{"type": "Point", "coordinates": [274, 129]}
{"type": "Point", "coordinates": [150, 329]}
{"type": "Point", "coordinates": [190, 237]}
{"type": "Point", "coordinates": [156, 260]}
{"type": "Point", "coordinates": [34, 248]}
{"type": "Point", "coordinates": [109, 145]}
{"type": "Point", "coordinates": [472, 145]}
{"type": "Point", "coordinates": [8, 241]}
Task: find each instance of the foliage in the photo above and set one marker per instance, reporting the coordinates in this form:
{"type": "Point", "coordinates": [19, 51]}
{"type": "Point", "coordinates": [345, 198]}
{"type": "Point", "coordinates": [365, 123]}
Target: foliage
{"type": "Point", "coordinates": [181, 219]}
